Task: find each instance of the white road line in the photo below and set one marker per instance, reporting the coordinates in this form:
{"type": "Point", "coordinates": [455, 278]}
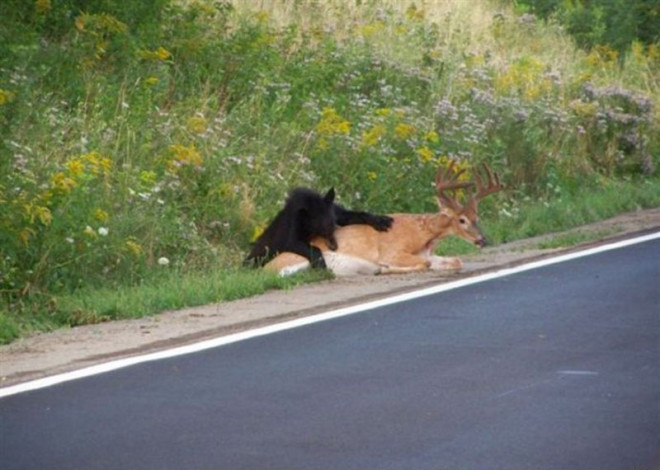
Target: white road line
{"type": "Point", "coordinates": [577, 372]}
{"type": "Point", "coordinates": [234, 338]}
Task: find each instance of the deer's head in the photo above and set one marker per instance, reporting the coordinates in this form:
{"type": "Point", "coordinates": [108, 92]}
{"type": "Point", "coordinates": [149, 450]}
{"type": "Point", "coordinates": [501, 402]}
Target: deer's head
{"type": "Point", "coordinates": [464, 218]}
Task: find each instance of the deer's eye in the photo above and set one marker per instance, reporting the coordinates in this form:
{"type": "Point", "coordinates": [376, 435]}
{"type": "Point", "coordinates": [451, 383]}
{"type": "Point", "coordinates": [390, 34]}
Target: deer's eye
{"type": "Point", "coordinates": [463, 220]}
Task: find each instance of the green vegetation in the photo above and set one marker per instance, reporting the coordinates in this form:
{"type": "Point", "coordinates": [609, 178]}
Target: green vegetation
{"type": "Point", "coordinates": [144, 144]}
{"type": "Point", "coordinates": [572, 239]}
{"type": "Point", "coordinates": [617, 24]}
{"type": "Point", "coordinates": [167, 291]}
{"type": "Point", "coordinates": [561, 211]}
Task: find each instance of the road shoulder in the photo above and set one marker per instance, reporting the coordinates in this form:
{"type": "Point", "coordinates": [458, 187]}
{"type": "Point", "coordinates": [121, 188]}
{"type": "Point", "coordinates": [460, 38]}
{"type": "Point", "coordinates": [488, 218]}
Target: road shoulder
{"type": "Point", "coordinates": [69, 349]}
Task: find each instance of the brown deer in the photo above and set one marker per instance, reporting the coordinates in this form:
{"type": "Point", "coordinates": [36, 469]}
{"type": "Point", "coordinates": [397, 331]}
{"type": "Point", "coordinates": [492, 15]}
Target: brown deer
{"type": "Point", "coordinates": [409, 244]}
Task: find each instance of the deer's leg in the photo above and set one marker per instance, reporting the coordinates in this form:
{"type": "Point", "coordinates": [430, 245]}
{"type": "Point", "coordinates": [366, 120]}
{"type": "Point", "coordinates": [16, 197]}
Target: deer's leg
{"type": "Point", "coordinates": [445, 263]}
{"type": "Point", "coordinates": [404, 263]}
{"type": "Point", "coordinates": [342, 264]}
{"type": "Point", "coordinates": [287, 263]}
{"type": "Point", "coordinates": [312, 253]}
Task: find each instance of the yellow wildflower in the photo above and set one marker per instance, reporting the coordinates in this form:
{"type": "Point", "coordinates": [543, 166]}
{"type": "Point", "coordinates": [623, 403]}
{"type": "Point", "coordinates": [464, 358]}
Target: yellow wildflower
{"type": "Point", "coordinates": [133, 248]}
{"type": "Point", "coordinates": [38, 213]}
{"type": "Point", "coordinates": [43, 214]}
{"type": "Point", "coordinates": [432, 136]}
{"type": "Point", "coordinates": [101, 215]}
{"type": "Point", "coordinates": [151, 81]}
{"type": "Point", "coordinates": [111, 24]}
{"type": "Point", "coordinates": [262, 16]}
{"type": "Point", "coordinates": [425, 153]}
{"type": "Point", "coordinates": [80, 22]}
{"type": "Point", "coordinates": [372, 175]}
{"type": "Point", "coordinates": [637, 49]}
{"type": "Point", "coordinates": [62, 182]}
{"type": "Point", "coordinates": [106, 164]}
{"type": "Point", "coordinates": [99, 24]}
{"type": "Point", "coordinates": [92, 158]}
{"type": "Point", "coordinates": [653, 52]}
{"type": "Point", "coordinates": [45, 197]}
{"type": "Point", "coordinates": [256, 233]}
{"type": "Point", "coordinates": [585, 77]}
{"type": "Point", "coordinates": [344, 127]}
{"type": "Point", "coordinates": [371, 137]}
{"type": "Point", "coordinates": [184, 156]}
{"type": "Point", "coordinates": [461, 165]}
{"type": "Point", "coordinates": [404, 130]}
{"type": "Point", "coordinates": [6, 96]}
{"type": "Point", "coordinates": [161, 54]}
{"type": "Point", "coordinates": [101, 48]}
{"type": "Point", "coordinates": [323, 144]}
{"type": "Point", "coordinates": [197, 124]}
{"type": "Point", "coordinates": [75, 167]}
{"type": "Point", "coordinates": [415, 14]}
{"type": "Point", "coordinates": [332, 123]}
{"type": "Point", "coordinates": [42, 6]}
{"type": "Point", "coordinates": [92, 161]}
{"type": "Point", "coordinates": [524, 77]}
{"type": "Point", "coordinates": [25, 235]}
{"type": "Point", "coordinates": [532, 92]}
{"type": "Point", "coordinates": [371, 29]}
{"type": "Point", "coordinates": [603, 57]}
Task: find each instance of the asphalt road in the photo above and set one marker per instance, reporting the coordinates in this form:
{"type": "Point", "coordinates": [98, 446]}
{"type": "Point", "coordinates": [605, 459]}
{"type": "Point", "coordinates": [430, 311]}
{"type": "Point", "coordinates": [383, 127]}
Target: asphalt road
{"type": "Point", "coordinates": [553, 368]}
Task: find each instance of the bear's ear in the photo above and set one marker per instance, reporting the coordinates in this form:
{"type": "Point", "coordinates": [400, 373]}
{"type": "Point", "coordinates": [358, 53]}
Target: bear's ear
{"type": "Point", "coordinates": [329, 196]}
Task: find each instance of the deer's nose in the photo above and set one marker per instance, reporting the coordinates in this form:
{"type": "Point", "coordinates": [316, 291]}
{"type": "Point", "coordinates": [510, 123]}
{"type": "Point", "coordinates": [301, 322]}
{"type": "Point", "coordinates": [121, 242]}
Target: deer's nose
{"type": "Point", "coordinates": [481, 242]}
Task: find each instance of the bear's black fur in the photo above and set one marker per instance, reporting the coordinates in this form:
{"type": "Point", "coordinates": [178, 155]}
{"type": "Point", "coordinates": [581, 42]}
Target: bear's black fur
{"type": "Point", "coordinates": [308, 214]}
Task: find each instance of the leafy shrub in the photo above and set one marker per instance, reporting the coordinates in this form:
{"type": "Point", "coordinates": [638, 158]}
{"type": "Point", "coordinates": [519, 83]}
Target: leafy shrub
{"type": "Point", "coordinates": [615, 23]}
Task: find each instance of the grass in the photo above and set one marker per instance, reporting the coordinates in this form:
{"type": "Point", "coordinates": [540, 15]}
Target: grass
{"type": "Point", "coordinates": [572, 239]}
{"type": "Point", "coordinates": [564, 212]}
{"type": "Point", "coordinates": [172, 291]}
{"type": "Point", "coordinates": [568, 211]}
{"type": "Point", "coordinates": [141, 135]}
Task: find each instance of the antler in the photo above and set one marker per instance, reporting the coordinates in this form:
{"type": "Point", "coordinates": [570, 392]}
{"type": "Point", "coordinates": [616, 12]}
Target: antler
{"type": "Point", "coordinates": [493, 184]}
{"type": "Point", "coordinates": [448, 180]}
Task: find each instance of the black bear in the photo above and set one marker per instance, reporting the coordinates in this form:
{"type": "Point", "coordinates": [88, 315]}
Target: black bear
{"type": "Point", "coordinates": [308, 214]}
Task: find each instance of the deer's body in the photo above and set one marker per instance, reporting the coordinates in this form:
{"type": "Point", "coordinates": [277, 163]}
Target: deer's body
{"type": "Point", "coordinates": [409, 244]}
{"type": "Point", "coordinates": [406, 247]}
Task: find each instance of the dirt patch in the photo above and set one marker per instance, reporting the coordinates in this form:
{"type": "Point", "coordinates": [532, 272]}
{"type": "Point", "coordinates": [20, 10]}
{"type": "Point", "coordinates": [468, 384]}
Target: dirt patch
{"type": "Point", "coordinates": [68, 349]}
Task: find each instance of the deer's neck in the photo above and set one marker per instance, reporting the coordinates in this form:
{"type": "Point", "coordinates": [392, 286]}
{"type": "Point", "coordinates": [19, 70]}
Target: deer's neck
{"type": "Point", "coordinates": [438, 225]}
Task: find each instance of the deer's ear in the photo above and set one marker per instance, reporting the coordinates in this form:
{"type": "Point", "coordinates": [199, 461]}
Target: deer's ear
{"type": "Point", "coordinates": [329, 196]}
